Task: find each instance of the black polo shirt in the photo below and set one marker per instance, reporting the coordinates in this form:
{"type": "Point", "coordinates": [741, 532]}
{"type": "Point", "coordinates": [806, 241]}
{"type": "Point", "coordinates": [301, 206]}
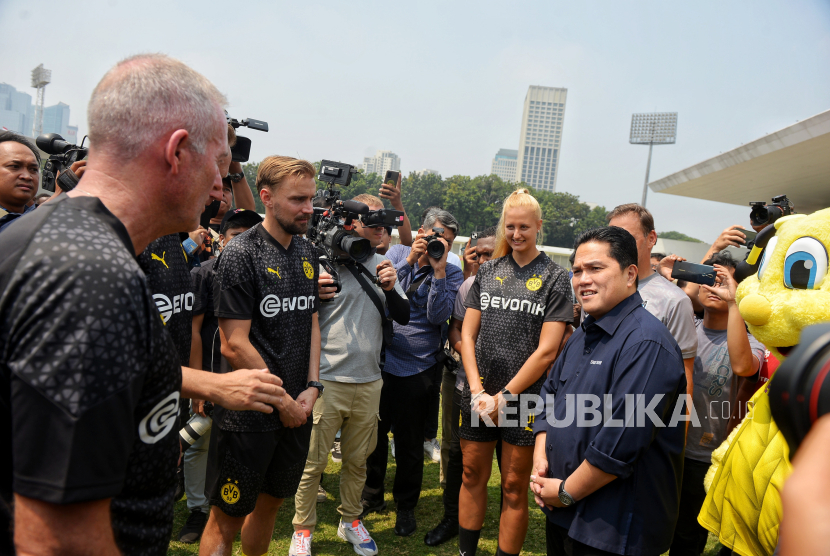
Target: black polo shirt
{"type": "Point", "coordinates": [627, 351]}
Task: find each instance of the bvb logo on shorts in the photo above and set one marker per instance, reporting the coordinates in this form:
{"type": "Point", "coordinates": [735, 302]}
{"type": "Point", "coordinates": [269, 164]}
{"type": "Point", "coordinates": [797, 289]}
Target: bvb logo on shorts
{"type": "Point", "coordinates": [308, 269]}
{"type": "Point", "coordinates": [230, 492]}
{"type": "Point", "coordinates": [534, 283]}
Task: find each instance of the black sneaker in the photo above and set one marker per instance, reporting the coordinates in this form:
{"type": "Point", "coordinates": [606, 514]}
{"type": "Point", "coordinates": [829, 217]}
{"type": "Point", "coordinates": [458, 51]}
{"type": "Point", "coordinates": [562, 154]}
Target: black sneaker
{"type": "Point", "coordinates": [192, 530]}
{"type": "Point", "coordinates": [444, 531]}
{"type": "Point", "coordinates": [405, 523]}
{"type": "Point", "coordinates": [370, 506]}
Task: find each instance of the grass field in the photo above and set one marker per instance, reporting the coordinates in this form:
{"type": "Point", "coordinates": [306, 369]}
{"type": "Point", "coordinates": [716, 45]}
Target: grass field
{"type": "Point", "coordinates": [428, 513]}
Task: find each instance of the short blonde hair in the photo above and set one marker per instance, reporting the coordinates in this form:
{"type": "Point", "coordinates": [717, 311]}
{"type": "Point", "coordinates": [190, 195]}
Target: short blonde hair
{"type": "Point", "coordinates": [368, 199]}
{"type": "Point", "coordinates": [276, 169]}
{"type": "Point", "coordinates": [521, 198]}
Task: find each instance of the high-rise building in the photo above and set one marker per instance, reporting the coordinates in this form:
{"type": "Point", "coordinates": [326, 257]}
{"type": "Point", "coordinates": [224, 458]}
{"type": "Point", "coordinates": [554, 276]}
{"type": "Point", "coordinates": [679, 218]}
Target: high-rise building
{"type": "Point", "coordinates": [380, 163]}
{"type": "Point", "coordinates": [56, 119]}
{"type": "Point", "coordinates": [16, 110]}
{"type": "Point", "coordinates": [541, 137]}
{"type": "Point", "coordinates": [504, 165]}
{"type": "Point", "coordinates": [427, 172]}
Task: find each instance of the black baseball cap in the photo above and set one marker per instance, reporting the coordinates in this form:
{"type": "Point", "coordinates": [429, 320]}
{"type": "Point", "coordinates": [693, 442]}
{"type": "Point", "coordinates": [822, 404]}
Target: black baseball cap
{"type": "Point", "coordinates": [240, 218]}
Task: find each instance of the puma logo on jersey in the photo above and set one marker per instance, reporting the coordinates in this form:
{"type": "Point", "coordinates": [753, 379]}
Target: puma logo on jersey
{"type": "Point", "coordinates": [271, 305]}
{"type": "Point", "coordinates": [501, 280]}
{"type": "Point", "coordinates": [277, 272]}
{"type": "Point", "coordinates": [157, 258]}
{"type": "Point", "coordinates": [511, 304]}
{"type": "Point", "coordinates": [168, 308]}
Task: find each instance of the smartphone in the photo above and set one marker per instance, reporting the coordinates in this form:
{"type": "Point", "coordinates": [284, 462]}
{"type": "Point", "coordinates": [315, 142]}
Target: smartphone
{"type": "Point", "coordinates": [694, 272]}
{"type": "Point", "coordinates": [473, 239]}
{"type": "Point", "coordinates": [750, 235]}
{"type": "Point", "coordinates": [391, 178]}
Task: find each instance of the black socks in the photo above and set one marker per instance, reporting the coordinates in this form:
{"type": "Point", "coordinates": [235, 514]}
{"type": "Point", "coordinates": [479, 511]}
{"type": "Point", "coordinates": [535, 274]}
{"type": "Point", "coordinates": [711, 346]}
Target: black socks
{"type": "Point", "coordinates": [467, 541]}
{"type": "Point", "coordinates": [500, 552]}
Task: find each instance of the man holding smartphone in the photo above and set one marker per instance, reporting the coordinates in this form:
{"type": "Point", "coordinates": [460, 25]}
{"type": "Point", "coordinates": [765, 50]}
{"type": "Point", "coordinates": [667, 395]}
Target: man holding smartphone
{"type": "Point", "coordinates": [391, 189]}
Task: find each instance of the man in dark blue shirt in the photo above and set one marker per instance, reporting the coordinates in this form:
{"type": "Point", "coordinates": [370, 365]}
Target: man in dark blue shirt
{"type": "Point", "coordinates": [609, 453]}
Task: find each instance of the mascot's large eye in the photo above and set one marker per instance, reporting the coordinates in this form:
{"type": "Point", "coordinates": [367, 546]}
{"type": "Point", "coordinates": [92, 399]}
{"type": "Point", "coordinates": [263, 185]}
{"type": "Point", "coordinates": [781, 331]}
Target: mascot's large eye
{"type": "Point", "coordinates": [766, 256]}
{"type": "Point", "coordinates": [805, 264]}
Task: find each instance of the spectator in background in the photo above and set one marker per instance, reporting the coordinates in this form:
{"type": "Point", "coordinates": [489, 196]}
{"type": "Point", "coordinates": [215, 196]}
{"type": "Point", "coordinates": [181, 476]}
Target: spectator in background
{"type": "Point", "coordinates": [42, 198]}
{"type": "Point", "coordinates": [19, 176]}
{"type": "Point", "coordinates": [655, 260]}
{"type": "Point", "coordinates": [452, 387]}
{"type": "Point", "coordinates": [412, 369]}
{"type": "Point", "coordinates": [385, 241]}
{"type": "Point", "coordinates": [205, 354]}
{"type": "Point", "coordinates": [235, 191]}
{"type": "Point", "coordinates": [725, 352]}
{"type": "Point", "coordinates": [393, 195]}
{"type": "Point", "coordinates": [660, 297]}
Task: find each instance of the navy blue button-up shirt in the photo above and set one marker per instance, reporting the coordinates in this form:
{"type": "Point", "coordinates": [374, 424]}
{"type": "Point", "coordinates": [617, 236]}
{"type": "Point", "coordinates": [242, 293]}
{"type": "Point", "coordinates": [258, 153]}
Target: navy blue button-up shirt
{"type": "Point", "coordinates": [415, 345]}
{"type": "Point", "coordinates": [627, 351]}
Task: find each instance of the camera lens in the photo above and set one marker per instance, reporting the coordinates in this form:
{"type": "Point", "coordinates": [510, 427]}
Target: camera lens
{"type": "Point", "coordinates": [357, 248]}
{"type": "Point", "coordinates": [800, 389]}
{"type": "Point", "coordinates": [759, 216]}
{"type": "Point", "coordinates": [435, 248]}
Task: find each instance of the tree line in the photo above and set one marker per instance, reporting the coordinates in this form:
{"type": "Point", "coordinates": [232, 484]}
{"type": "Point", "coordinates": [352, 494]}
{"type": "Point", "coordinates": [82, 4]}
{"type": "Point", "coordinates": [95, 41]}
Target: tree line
{"type": "Point", "coordinates": [475, 201]}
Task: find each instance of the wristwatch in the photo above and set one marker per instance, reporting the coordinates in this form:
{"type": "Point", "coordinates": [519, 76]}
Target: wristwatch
{"type": "Point", "coordinates": [236, 177]}
{"type": "Point", "coordinates": [314, 384]}
{"type": "Point", "coordinates": [564, 497]}
{"type": "Point", "coordinates": [505, 392]}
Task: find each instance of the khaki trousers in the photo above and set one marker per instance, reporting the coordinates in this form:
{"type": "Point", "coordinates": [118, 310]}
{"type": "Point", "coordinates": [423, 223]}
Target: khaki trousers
{"type": "Point", "coordinates": [354, 409]}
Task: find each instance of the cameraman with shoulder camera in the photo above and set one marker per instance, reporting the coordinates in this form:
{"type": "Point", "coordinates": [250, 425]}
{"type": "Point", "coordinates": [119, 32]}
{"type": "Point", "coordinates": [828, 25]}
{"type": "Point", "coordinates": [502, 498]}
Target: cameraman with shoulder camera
{"type": "Point", "coordinates": [351, 331]}
{"type": "Point", "coordinates": [19, 176]}
{"type": "Point", "coordinates": [93, 368]}
{"type": "Point", "coordinates": [413, 368]}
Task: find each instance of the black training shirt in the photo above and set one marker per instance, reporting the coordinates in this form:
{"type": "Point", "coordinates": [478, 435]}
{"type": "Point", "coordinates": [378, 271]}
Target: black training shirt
{"type": "Point", "coordinates": [164, 263]}
{"type": "Point", "coordinates": [89, 378]}
{"type": "Point", "coordinates": [257, 279]}
{"type": "Point", "coordinates": [203, 277]}
{"type": "Point", "coordinates": [515, 302]}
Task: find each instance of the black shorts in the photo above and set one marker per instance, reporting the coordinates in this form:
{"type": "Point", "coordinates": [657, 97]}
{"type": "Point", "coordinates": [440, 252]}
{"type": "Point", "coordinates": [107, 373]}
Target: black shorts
{"type": "Point", "coordinates": [241, 465]}
{"type": "Point", "coordinates": [519, 435]}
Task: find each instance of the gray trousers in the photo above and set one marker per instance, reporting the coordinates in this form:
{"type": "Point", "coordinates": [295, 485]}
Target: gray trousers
{"type": "Point", "coordinates": [195, 466]}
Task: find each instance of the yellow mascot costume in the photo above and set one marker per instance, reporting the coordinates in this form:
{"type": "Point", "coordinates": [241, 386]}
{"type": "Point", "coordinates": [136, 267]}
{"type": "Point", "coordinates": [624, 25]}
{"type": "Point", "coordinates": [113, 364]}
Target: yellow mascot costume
{"type": "Point", "coordinates": [789, 292]}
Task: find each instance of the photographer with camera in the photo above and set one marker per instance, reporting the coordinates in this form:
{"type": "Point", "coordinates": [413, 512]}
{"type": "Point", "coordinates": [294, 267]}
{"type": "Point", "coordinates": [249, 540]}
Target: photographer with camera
{"type": "Point", "coordinates": [19, 176]}
{"type": "Point", "coordinates": [265, 295]}
{"type": "Point", "coordinates": [413, 365]}
{"type": "Point", "coordinates": [351, 332]}
{"type": "Point", "coordinates": [725, 352]}
{"type": "Point", "coordinates": [94, 367]}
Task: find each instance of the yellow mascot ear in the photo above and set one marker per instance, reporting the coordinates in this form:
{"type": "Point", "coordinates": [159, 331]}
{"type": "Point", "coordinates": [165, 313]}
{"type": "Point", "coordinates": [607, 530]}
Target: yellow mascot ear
{"type": "Point", "coordinates": [788, 218]}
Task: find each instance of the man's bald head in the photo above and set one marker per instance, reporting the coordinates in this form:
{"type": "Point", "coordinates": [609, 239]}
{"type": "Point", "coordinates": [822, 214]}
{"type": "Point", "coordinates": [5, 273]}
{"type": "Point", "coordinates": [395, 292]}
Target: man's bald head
{"type": "Point", "coordinates": [146, 97]}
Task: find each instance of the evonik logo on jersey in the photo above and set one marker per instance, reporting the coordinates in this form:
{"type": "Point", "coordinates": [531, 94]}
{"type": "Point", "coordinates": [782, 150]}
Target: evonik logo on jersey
{"type": "Point", "coordinates": [167, 308]}
{"type": "Point", "coordinates": [511, 304]}
{"type": "Point", "coordinates": [271, 304]}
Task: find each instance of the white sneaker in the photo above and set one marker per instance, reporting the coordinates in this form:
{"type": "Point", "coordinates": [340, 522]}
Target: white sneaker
{"type": "Point", "coordinates": [301, 543]}
{"type": "Point", "coordinates": [433, 449]}
{"type": "Point", "coordinates": [358, 536]}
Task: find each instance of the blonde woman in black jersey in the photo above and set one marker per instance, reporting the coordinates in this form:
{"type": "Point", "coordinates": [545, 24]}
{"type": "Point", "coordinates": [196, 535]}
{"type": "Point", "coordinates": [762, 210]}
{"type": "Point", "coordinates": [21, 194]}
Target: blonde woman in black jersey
{"type": "Point", "coordinates": [518, 310]}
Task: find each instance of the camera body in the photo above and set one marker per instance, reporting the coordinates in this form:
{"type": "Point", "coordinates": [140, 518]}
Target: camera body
{"type": "Point", "coordinates": [63, 155]}
{"type": "Point", "coordinates": [763, 214]}
{"type": "Point", "coordinates": [435, 248]}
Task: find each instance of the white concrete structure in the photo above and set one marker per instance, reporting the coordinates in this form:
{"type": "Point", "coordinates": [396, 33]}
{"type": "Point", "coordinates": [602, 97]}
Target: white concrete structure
{"type": "Point", "coordinates": [504, 164]}
{"type": "Point", "coordinates": [540, 138]}
{"type": "Point", "coordinates": [794, 161]}
{"type": "Point", "coordinates": [381, 162]}
{"type": "Point", "coordinates": [427, 172]}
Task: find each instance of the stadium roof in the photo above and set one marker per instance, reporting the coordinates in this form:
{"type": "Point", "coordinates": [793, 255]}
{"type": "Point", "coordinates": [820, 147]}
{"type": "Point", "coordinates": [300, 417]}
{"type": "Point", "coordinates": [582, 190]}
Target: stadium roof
{"type": "Point", "coordinates": [794, 161]}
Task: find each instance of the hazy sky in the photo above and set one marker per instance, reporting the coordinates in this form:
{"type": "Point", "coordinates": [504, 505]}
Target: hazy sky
{"type": "Point", "coordinates": [442, 83]}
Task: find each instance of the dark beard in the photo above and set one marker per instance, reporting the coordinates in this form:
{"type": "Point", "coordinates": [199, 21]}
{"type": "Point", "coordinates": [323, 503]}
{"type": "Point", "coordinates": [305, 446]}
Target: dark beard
{"type": "Point", "coordinates": [292, 227]}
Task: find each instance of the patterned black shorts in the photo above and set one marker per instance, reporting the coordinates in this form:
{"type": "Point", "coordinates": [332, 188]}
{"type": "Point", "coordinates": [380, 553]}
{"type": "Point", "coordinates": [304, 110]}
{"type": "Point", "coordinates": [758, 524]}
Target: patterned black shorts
{"type": "Point", "coordinates": [519, 435]}
{"type": "Point", "coordinates": [241, 465]}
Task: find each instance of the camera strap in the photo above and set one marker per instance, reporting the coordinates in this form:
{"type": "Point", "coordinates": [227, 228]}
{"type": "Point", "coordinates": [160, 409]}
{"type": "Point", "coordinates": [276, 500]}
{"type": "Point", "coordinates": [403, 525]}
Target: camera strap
{"type": "Point", "coordinates": [373, 295]}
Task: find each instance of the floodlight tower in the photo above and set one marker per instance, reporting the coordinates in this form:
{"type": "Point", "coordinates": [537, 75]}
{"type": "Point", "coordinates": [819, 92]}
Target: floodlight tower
{"type": "Point", "coordinates": [40, 78]}
{"type": "Point", "coordinates": [656, 128]}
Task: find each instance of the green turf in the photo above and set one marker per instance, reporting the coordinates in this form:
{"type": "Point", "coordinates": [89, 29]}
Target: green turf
{"type": "Point", "coordinates": [381, 526]}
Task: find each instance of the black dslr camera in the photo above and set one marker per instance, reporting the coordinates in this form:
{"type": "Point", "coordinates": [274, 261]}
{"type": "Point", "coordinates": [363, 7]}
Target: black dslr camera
{"type": "Point", "coordinates": [241, 151]}
{"type": "Point", "coordinates": [63, 155]}
{"type": "Point", "coordinates": [763, 214]}
{"type": "Point", "coordinates": [799, 393]}
{"type": "Point", "coordinates": [435, 248]}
